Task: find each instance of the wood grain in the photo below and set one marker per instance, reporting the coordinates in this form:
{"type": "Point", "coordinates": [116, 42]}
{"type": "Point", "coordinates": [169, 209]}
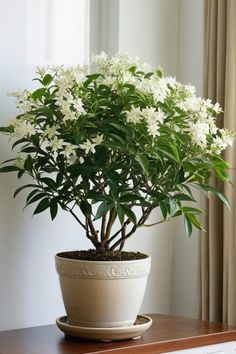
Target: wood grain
{"type": "Point", "coordinates": [167, 333]}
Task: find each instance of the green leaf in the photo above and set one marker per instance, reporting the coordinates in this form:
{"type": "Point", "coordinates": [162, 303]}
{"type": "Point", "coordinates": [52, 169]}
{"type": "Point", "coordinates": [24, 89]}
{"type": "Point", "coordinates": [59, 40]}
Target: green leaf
{"type": "Point", "coordinates": [20, 141]}
{"type": "Point", "coordinates": [159, 72]}
{"type": "Point", "coordinates": [9, 160]}
{"type": "Point", "coordinates": [191, 210]}
{"type": "Point", "coordinates": [126, 130]}
{"type": "Point", "coordinates": [121, 214]}
{"type": "Point", "coordinates": [167, 151]}
{"type": "Point", "coordinates": [143, 161]}
{"type": "Point", "coordinates": [18, 190]}
{"type": "Point", "coordinates": [103, 209]}
{"type": "Point", "coordinates": [128, 198]}
{"type": "Point", "coordinates": [195, 221]}
{"type": "Point", "coordinates": [9, 169]}
{"type": "Point", "coordinates": [6, 129]}
{"type": "Point", "coordinates": [29, 149]}
{"type": "Point", "coordinates": [205, 189]}
{"type": "Point", "coordinates": [43, 205]}
{"type": "Point", "coordinates": [20, 174]}
{"type": "Point", "coordinates": [101, 156]}
{"type": "Point", "coordinates": [85, 207]}
{"type": "Point", "coordinates": [79, 137]}
{"type": "Point", "coordinates": [31, 194]}
{"type": "Point", "coordinates": [29, 163]}
{"type": "Point", "coordinates": [182, 196]}
{"type": "Point", "coordinates": [35, 198]}
{"type": "Point", "coordinates": [129, 213]}
{"type": "Point", "coordinates": [188, 225]}
{"type": "Point", "coordinates": [117, 138]}
{"type": "Point", "coordinates": [164, 208]}
{"type": "Point", "coordinates": [173, 207]}
{"type": "Point", "coordinates": [223, 175]}
{"type": "Point", "coordinates": [97, 196]}
{"type": "Point", "coordinates": [113, 176]}
{"type": "Point", "coordinates": [91, 78]}
{"type": "Point", "coordinates": [59, 179]}
{"type": "Point", "coordinates": [38, 93]}
{"type": "Point", "coordinates": [47, 79]}
{"type": "Point", "coordinates": [49, 182]}
{"type": "Point", "coordinates": [53, 208]}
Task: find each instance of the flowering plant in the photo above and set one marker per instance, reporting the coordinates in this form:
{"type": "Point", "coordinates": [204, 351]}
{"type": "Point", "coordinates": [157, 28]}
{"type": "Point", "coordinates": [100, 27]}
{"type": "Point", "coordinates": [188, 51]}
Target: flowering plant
{"type": "Point", "coordinates": [102, 145]}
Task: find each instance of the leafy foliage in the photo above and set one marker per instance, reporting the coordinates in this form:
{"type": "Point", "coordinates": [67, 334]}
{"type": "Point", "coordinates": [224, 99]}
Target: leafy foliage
{"type": "Point", "coordinates": [110, 142]}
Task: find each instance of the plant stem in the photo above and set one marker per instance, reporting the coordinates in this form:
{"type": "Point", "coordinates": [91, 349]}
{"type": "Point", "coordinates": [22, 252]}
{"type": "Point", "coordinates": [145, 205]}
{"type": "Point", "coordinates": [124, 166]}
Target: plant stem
{"type": "Point", "coordinates": [103, 227]}
{"type": "Point", "coordinates": [76, 217]}
{"type": "Point", "coordinates": [111, 221]}
{"type": "Point", "coordinates": [92, 228]}
{"type": "Point", "coordinates": [117, 232]}
{"type": "Point", "coordinates": [140, 223]}
{"type": "Point", "coordinates": [123, 234]}
{"type": "Point", "coordinates": [90, 237]}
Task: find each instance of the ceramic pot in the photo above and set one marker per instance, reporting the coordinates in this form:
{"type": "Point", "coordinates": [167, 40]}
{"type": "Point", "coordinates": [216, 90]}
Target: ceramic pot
{"type": "Point", "coordinates": [102, 294]}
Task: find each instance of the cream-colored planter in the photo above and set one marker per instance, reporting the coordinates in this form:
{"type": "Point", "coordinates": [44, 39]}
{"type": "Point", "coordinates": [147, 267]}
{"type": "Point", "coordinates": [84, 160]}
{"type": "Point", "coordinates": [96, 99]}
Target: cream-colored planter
{"type": "Point", "coordinates": [102, 294]}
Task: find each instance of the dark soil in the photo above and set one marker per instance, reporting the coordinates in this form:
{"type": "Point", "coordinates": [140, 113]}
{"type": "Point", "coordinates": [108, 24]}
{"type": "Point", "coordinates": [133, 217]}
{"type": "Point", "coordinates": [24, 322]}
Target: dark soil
{"type": "Point", "coordinates": [94, 255]}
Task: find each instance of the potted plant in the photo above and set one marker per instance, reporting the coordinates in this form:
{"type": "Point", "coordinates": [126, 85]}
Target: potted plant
{"type": "Point", "coordinates": [109, 147]}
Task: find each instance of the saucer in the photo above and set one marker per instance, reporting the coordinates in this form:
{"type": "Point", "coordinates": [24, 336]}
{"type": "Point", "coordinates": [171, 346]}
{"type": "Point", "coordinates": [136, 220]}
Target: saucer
{"type": "Point", "coordinates": [141, 324]}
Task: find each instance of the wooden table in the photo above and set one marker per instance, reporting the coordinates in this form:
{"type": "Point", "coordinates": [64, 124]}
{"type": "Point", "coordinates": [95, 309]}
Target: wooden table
{"type": "Point", "coordinates": [166, 334]}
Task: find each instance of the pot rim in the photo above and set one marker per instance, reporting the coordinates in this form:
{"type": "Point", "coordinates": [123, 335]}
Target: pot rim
{"type": "Point", "coordinates": [57, 257]}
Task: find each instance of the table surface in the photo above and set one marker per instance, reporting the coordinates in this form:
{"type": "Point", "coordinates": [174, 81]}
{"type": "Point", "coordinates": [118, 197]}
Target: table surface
{"type": "Point", "coordinates": [167, 333]}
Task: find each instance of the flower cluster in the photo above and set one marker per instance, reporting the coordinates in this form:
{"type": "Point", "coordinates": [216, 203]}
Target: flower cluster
{"type": "Point", "coordinates": [198, 116]}
{"type": "Point", "coordinates": [121, 134]}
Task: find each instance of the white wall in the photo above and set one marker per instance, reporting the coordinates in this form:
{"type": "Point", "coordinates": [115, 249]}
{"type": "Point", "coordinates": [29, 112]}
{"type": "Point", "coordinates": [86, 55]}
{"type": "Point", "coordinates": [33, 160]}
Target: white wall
{"type": "Point", "coordinates": [148, 29]}
{"type": "Point", "coordinates": [31, 32]}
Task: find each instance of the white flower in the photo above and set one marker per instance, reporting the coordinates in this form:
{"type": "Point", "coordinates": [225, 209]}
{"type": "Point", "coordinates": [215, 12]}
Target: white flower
{"type": "Point", "coordinates": [20, 162]}
{"type": "Point", "coordinates": [88, 146]}
{"type": "Point", "coordinates": [157, 87]}
{"type": "Point", "coordinates": [199, 132]}
{"type": "Point", "coordinates": [101, 60]}
{"type": "Point", "coordinates": [69, 115]}
{"type": "Point", "coordinates": [50, 132]}
{"type": "Point", "coordinates": [128, 78]}
{"type": "Point", "coordinates": [191, 104]}
{"type": "Point", "coordinates": [64, 106]}
{"type": "Point", "coordinates": [56, 144]}
{"type": "Point", "coordinates": [160, 116]}
{"type": "Point", "coordinates": [23, 100]}
{"type": "Point", "coordinates": [80, 74]}
{"type": "Point", "coordinates": [22, 129]}
{"type": "Point", "coordinates": [78, 105]}
{"type": "Point", "coordinates": [109, 80]}
{"type": "Point", "coordinates": [154, 119]}
{"type": "Point", "coordinates": [212, 125]}
{"type": "Point", "coordinates": [220, 143]}
{"type": "Point", "coordinates": [69, 151]}
{"type": "Point", "coordinates": [98, 139]}
{"type": "Point", "coordinates": [171, 81]}
{"type": "Point", "coordinates": [42, 71]}
{"type": "Point", "coordinates": [134, 115]}
{"type": "Point", "coordinates": [190, 90]}
{"type": "Point", "coordinates": [217, 108]}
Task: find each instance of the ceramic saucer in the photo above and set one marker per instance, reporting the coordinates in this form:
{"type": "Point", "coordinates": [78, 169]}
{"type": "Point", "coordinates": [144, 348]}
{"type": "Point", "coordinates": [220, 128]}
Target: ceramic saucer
{"type": "Point", "coordinates": [141, 324]}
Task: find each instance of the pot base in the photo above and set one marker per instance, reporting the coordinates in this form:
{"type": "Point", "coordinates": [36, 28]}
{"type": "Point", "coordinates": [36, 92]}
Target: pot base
{"type": "Point", "coordinates": [141, 324]}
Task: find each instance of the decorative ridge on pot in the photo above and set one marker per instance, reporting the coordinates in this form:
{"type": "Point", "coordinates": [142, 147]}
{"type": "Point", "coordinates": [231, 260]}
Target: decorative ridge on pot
{"type": "Point", "coordinates": [103, 269]}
